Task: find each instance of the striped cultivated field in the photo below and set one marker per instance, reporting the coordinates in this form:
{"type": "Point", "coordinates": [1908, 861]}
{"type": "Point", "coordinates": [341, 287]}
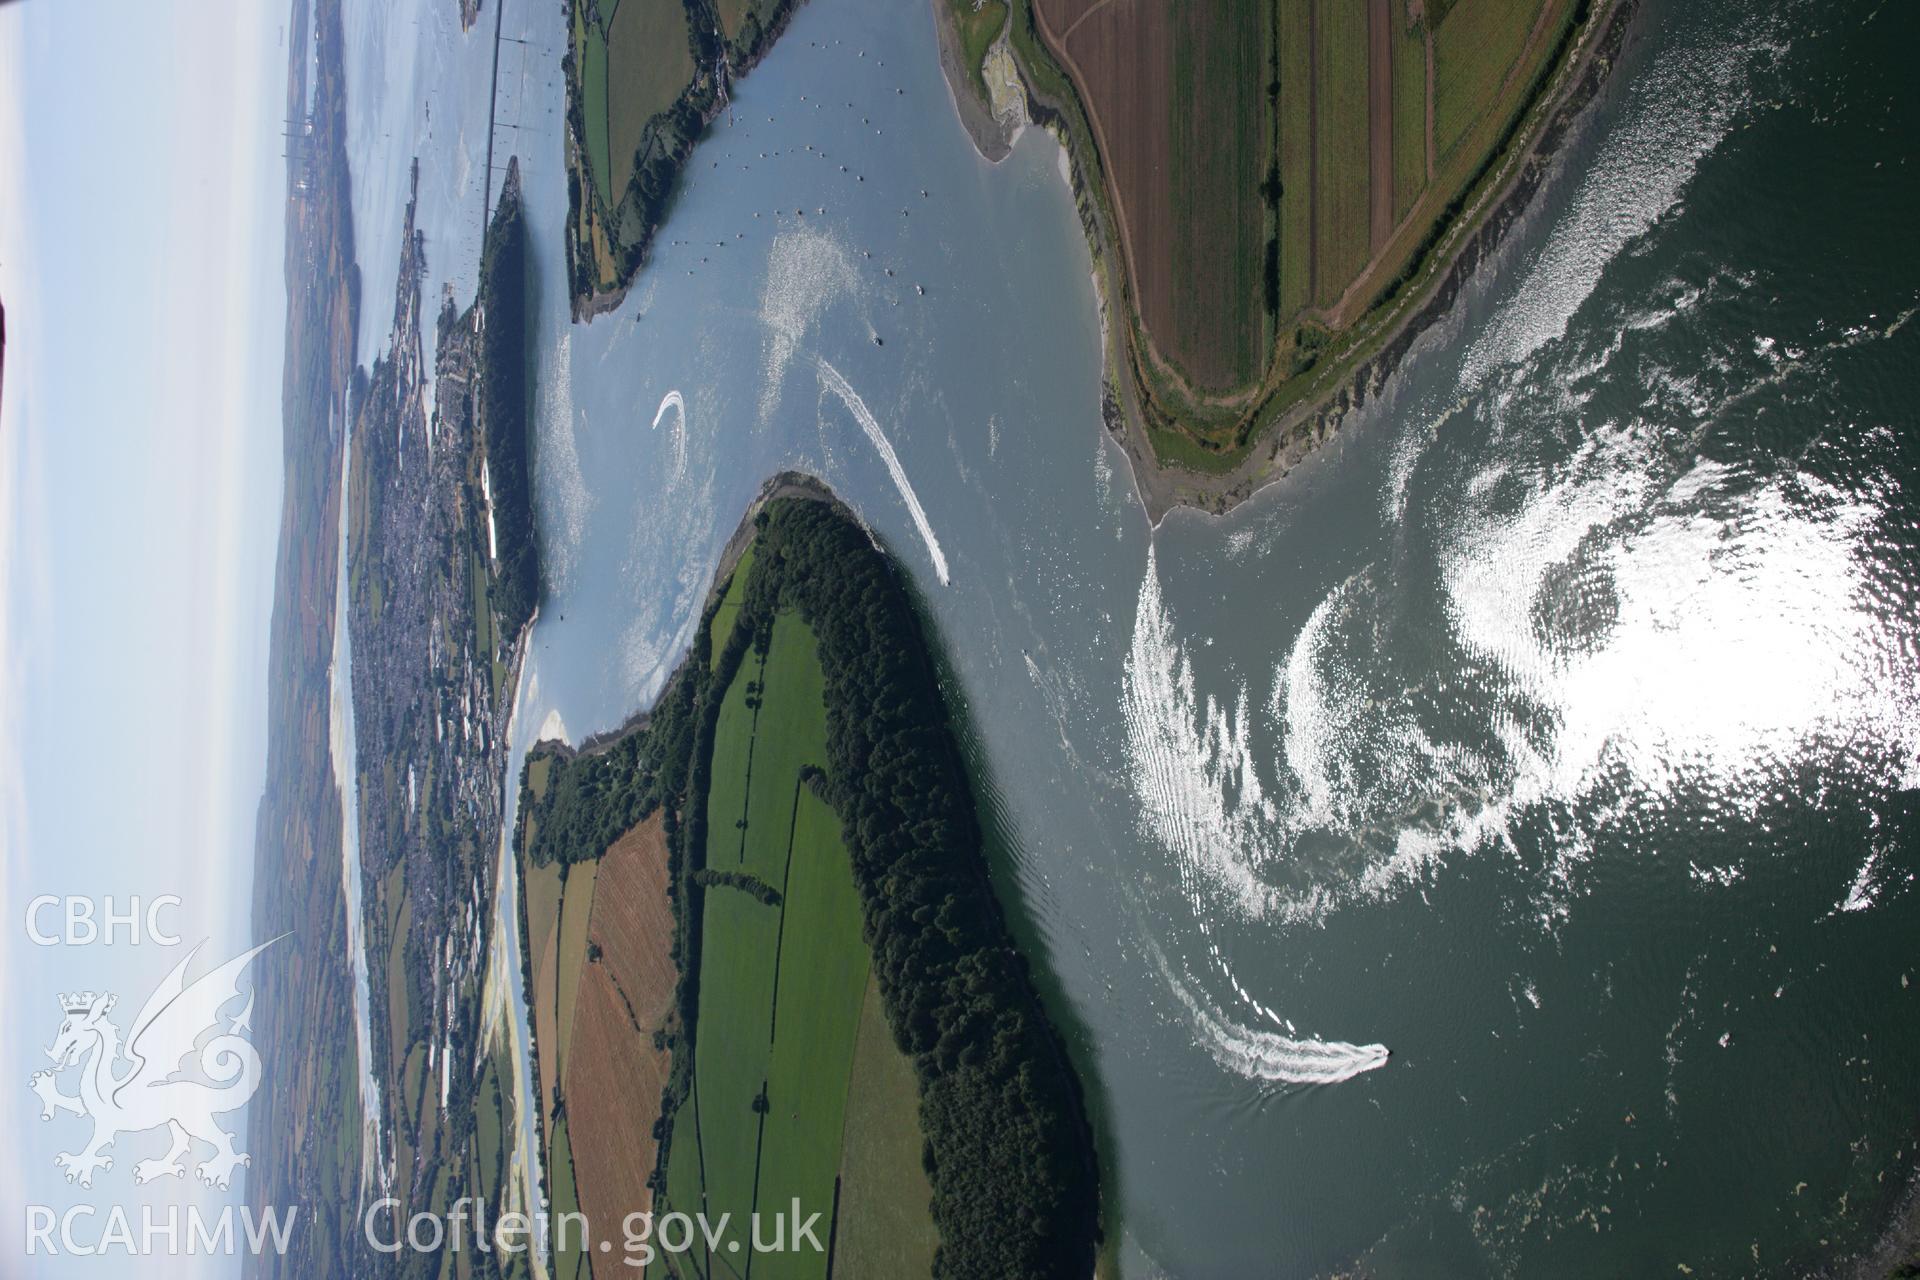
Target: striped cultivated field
{"type": "Point", "coordinates": [1274, 169]}
{"type": "Point", "coordinates": [783, 974]}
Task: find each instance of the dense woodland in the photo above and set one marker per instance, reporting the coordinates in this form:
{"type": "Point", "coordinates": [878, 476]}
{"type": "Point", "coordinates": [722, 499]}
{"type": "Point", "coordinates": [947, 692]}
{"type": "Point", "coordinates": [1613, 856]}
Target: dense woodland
{"type": "Point", "coordinates": [506, 393]}
{"type": "Point", "coordinates": [594, 797]}
{"type": "Point", "coordinates": [1009, 1150]}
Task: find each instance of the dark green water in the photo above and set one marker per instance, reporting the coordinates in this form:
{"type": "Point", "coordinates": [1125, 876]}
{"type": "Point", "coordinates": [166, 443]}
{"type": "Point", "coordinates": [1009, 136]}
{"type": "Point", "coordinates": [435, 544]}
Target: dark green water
{"type": "Point", "coordinates": [1583, 731]}
{"type": "Point", "coordinates": [1558, 729]}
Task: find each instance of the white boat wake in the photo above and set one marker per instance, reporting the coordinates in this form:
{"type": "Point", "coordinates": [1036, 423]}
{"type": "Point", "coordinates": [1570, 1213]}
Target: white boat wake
{"type": "Point", "coordinates": [807, 271]}
{"type": "Point", "coordinates": [830, 379]}
{"type": "Point", "coordinates": [672, 400]}
{"type": "Point", "coordinates": [1268, 1055]}
{"type": "Point", "coordinates": [677, 404]}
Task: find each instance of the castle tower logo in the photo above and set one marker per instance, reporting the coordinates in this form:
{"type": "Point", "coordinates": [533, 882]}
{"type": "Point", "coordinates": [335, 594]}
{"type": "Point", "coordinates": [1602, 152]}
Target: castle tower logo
{"type": "Point", "coordinates": [179, 1067]}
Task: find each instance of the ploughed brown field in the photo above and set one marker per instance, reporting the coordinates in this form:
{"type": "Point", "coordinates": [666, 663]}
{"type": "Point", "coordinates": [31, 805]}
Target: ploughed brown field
{"type": "Point", "coordinates": [1186, 174]}
{"type": "Point", "coordinates": [1328, 137]}
{"type": "Point", "coordinates": [614, 1074]}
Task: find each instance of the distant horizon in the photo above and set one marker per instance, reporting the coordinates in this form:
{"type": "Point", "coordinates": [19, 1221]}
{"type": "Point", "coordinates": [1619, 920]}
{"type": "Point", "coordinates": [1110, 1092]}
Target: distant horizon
{"type": "Point", "coordinates": [1027, 639]}
{"type": "Point", "coordinates": [142, 219]}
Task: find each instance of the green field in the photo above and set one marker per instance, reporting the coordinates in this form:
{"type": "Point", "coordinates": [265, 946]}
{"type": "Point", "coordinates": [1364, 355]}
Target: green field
{"type": "Point", "coordinates": [1218, 166]}
{"type": "Point", "coordinates": [590, 52]}
{"type": "Point", "coordinates": [539, 770]}
{"type": "Point", "coordinates": [730, 1060]}
{"type": "Point", "coordinates": [1409, 117]}
{"type": "Point", "coordinates": [649, 65]}
{"type": "Point", "coordinates": [570, 1262]}
{"type": "Point", "coordinates": [742, 937]}
{"type": "Point", "coordinates": [684, 1183]}
{"type": "Point", "coordinates": [1340, 192]}
{"type": "Point", "coordinates": [1296, 161]}
{"type": "Point", "coordinates": [781, 987]}
{"type": "Point", "coordinates": [1473, 51]}
{"type": "Point", "coordinates": [822, 980]}
{"type": "Point", "coordinates": [576, 909]}
{"type": "Point", "coordinates": [728, 609]}
{"type": "Point", "coordinates": [493, 1114]}
{"type": "Point", "coordinates": [790, 731]}
{"type": "Point", "coordinates": [884, 1228]}
{"type": "Point", "coordinates": [633, 65]}
{"type": "Point", "coordinates": [733, 743]}
{"type": "Point", "coordinates": [543, 902]}
{"type": "Point", "coordinates": [393, 891]}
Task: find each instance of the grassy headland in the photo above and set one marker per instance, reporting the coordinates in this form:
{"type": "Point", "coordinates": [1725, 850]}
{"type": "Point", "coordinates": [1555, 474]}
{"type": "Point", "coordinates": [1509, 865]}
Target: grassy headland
{"type": "Point", "coordinates": [848, 995]}
{"type": "Point", "coordinates": [644, 78]}
{"type": "Point", "coordinates": [1279, 192]}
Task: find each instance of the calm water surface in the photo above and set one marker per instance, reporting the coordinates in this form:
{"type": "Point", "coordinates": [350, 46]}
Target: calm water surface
{"type": "Point", "coordinates": [1557, 729]}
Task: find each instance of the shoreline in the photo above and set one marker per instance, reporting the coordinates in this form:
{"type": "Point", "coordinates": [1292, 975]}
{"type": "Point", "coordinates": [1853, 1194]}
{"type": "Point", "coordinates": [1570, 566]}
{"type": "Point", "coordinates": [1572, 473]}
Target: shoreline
{"type": "Point", "coordinates": [782, 484]}
{"type": "Point", "coordinates": [596, 302]}
{"type": "Point", "coordinates": [824, 550]}
{"type": "Point", "coordinates": [992, 139]}
{"type": "Point", "coordinates": [1164, 484]}
{"type": "Point", "coordinates": [1895, 1246]}
{"type": "Point", "coordinates": [1297, 433]}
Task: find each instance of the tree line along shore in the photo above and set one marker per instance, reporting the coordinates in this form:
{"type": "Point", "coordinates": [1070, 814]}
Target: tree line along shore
{"type": "Point", "coordinates": [844, 1017]}
{"type": "Point", "coordinates": [644, 80]}
{"type": "Point", "coordinates": [1278, 193]}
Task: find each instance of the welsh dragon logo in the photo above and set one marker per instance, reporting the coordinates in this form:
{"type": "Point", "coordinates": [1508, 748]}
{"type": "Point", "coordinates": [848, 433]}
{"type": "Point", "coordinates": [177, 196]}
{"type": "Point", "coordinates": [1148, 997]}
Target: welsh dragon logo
{"type": "Point", "coordinates": [177, 1069]}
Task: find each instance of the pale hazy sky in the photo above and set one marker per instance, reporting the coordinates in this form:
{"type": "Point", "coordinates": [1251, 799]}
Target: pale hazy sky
{"type": "Point", "coordinates": [142, 205]}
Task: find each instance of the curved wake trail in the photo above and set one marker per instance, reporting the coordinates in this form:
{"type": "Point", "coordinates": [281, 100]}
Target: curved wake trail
{"type": "Point", "coordinates": [1267, 1055]}
{"type": "Point", "coordinates": [674, 401]}
{"type": "Point", "coordinates": [830, 379]}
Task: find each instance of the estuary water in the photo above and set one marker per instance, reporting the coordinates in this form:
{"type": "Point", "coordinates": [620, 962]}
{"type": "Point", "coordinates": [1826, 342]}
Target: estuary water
{"type": "Point", "coordinates": [1556, 729]}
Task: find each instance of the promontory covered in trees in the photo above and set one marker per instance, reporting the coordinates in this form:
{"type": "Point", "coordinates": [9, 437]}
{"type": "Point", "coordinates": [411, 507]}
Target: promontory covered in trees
{"type": "Point", "coordinates": [770, 898]}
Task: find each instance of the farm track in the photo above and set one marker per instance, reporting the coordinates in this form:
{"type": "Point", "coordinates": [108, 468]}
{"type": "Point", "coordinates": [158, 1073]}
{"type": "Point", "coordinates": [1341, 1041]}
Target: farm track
{"type": "Point", "coordinates": [1363, 288]}
{"type": "Point", "coordinates": [1074, 26]}
{"type": "Point", "coordinates": [1057, 42]}
{"type": "Point", "coordinates": [1535, 38]}
{"type": "Point", "coordinates": [1162, 392]}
